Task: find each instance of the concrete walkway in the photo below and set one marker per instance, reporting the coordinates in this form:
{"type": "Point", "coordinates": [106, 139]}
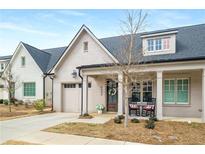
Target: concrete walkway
{"type": "Point", "coordinates": [28, 129]}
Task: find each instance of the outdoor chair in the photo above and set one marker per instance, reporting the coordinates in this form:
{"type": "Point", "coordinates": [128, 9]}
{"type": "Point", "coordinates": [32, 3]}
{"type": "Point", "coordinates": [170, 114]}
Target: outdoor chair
{"type": "Point", "coordinates": [134, 107]}
{"type": "Point", "coordinates": [149, 109]}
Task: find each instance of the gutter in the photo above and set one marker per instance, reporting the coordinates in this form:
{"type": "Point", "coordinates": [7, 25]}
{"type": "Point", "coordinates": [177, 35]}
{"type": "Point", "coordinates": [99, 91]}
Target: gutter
{"type": "Point", "coordinates": [81, 109]}
{"type": "Point", "coordinates": [51, 76]}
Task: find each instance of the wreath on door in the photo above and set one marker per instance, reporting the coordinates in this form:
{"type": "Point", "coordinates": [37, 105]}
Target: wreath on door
{"type": "Point", "coordinates": [112, 91]}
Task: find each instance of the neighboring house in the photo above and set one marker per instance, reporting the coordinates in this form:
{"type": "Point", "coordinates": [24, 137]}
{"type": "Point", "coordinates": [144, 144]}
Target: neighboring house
{"type": "Point", "coordinates": [4, 60]}
{"type": "Point", "coordinates": [175, 58]}
{"type": "Point", "coordinates": [29, 66]}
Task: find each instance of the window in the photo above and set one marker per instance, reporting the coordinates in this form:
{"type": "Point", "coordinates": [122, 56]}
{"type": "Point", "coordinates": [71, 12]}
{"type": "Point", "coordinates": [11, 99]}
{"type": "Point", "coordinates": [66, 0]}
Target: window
{"type": "Point", "coordinates": [136, 92]}
{"type": "Point", "coordinates": [30, 89]}
{"type": "Point", "coordinates": [70, 85]}
{"type": "Point", "coordinates": [169, 91]}
{"type": "Point", "coordinates": [147, 91]}
{"type": "Point", "coordinates": [158, 44]}
{"type": "Point", "coordinates": [23, 61]}
{"type": "Point", "coordinates": [166, 43]}
{"type": "Point", "coordinates": [176, 91]}
{"type": "Point", "coordinates": [85, 46]}
{"type": "Point", "coordinates": [150, 45]}
{"type": "Point", "coordinates": [2, 66]}
{"type": "Point", "coordinates": [182, 91]}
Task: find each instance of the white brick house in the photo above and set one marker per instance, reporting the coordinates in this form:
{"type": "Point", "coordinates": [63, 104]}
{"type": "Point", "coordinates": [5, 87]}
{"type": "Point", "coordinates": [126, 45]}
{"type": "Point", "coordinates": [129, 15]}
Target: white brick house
{"type": "Point", "coordinates": [174, 57]}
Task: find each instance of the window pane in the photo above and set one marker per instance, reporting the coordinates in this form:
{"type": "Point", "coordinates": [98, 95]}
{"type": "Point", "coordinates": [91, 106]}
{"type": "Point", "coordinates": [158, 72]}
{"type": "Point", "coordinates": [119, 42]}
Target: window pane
{"type": "Point", "coordinates": [182, 91]}
{"type": "Point", "coordinates": [150, 45]}
{"type": "Point", "coordinates": [169, 93]}
{"type": "Point", "coordinates": [136, 92]}
{"type": "Point", "coordinates": [29, 89]}
{"type": "Point", "coordinates": [158, 44]}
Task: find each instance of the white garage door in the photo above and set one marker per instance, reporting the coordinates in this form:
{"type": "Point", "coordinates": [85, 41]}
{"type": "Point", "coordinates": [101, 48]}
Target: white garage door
{"type": "Point", "coordinates": [71, 97]}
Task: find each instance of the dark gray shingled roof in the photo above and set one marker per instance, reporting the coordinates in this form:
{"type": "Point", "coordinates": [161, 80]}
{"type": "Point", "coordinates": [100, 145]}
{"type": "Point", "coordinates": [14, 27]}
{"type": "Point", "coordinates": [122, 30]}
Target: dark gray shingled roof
{"type": "Point", "coordinates": [5, 57]}
{"type": "Point", "coordinates": [45, 58]}
{"type": "Point", "coordinates": [190, 44]}
{"type": "Point", "coordinates": [55, 55]}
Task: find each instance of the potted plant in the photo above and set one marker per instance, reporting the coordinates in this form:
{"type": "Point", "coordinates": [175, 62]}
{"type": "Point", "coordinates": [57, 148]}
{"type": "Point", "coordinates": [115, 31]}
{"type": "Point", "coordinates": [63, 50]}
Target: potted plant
{"type": "Point", "coordinates": [100, 108]}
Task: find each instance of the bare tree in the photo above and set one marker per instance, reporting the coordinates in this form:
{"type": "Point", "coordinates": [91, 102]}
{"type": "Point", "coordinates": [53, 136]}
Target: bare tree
{"type": "Point", "coordinates": [129, 55]}
{"type": "Point", "coordinates": [11, 83]}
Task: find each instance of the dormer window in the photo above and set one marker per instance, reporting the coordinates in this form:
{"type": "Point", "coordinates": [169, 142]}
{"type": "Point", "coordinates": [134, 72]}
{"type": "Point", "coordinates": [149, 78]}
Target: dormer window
{"type": "Point", "coordinates": [85, 46]}
{"type": "Point", "coordinates": [159, 43]}
{"type": "Point", "coordinates": [166, 43]}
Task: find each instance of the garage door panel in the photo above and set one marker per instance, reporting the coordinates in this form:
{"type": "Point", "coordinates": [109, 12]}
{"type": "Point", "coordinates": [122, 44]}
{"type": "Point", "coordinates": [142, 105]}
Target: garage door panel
{"type": "Point", "coordinates": [71, 99]}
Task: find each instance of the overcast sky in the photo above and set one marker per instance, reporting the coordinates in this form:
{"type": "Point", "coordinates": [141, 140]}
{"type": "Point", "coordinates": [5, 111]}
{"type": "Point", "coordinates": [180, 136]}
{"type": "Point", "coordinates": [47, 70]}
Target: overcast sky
{"type": "Point", "coordinates": [55, 28]}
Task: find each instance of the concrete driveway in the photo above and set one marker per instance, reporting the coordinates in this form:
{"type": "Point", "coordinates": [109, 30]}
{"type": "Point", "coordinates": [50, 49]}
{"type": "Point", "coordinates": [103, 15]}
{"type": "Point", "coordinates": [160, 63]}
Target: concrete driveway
{"type": "Point", "coordinates": [16, 128]}
{"type": "Point", "coordinates": [28, 129]}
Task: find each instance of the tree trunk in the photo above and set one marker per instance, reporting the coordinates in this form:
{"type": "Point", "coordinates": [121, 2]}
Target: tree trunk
{"type": "Point", "coordinates": [9, 103]}
{"type": "Point", "coordinates": [126, 102]}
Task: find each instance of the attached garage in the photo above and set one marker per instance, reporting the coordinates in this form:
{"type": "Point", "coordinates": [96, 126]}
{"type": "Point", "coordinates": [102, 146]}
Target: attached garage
{"type": "Point", "coordinates": [71, 97]}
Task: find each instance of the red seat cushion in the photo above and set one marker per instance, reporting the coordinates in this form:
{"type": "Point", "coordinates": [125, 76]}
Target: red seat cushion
{"type": "Point", "coordinates": [133, 106]}
{"type": "Point", "coordinates": [149, 107]}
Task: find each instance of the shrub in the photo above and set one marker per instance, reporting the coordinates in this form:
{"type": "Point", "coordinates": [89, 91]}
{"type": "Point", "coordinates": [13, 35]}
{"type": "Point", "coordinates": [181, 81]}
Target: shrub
{"type": "Point", "coordinates": [135, 120]}
{"type": "Point", "coordinates": [1, 101]}
{"type": "Point", "coordinates": [150, 124]}
{"type": "Point", "coordinates": [117, 120]}
{"type": "Point", "coordinates": [13, 100]}
{"type": "Point", "coordinates": [20, 102]}
{"type": "Point", "coordinates": [6, 101]}
{"type": "Point", "coordinates": [153, 118]}
{"type": "Point", "coordinates": [121, 117]}
{"type": "Point", "coordinates": [39, 105]}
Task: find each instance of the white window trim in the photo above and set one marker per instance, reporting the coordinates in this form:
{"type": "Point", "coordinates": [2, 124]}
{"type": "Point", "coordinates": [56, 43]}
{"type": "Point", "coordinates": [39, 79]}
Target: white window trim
{"type": "Point", "coordinates": [154, 46]}
{"type": "Point", "coordinates": [175, 103]}
{"type": "Point", "coordinates": [29, 97]}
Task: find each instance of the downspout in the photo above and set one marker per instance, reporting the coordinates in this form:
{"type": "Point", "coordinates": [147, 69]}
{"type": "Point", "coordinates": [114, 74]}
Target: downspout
{"type": "Point", "coordinates": [81, 110]}
{"type": "Point", "coordinates": [44, 103]}
{"type": "Point", "coordinates": [52, 94]}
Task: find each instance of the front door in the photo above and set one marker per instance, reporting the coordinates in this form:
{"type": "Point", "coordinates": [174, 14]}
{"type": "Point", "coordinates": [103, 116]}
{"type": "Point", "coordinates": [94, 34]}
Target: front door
{"type": "Point", "coordinates": [112, 96]}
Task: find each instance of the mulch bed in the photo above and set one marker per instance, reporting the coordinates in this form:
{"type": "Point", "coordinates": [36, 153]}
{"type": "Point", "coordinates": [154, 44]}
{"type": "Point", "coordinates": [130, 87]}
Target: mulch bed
{"type": "Point", "coordinates": [19, 111]}
{"type": "Point", "coordinates": [165, 132]}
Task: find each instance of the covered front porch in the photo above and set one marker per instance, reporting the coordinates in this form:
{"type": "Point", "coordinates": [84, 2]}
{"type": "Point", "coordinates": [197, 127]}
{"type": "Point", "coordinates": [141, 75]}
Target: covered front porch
{"type": "Point", "coordinates": [179, 91]}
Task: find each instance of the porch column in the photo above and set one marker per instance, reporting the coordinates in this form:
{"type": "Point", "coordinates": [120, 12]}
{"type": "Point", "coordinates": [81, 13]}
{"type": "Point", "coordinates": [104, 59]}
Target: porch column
{"type": "Point", "coordinates": [203, 95]}
{"type": "Point", "coordinates": [159, 95]}
{"type": "Point", "coordinates": [85, 94]}
{"type": "Point", "coordinates": [120, 94]}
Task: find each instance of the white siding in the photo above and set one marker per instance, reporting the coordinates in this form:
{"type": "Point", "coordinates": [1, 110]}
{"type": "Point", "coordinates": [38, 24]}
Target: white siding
{"type": "Point", "coordinates": [77, 57]}
{"type": "Point", "coordinates": [29, 73]}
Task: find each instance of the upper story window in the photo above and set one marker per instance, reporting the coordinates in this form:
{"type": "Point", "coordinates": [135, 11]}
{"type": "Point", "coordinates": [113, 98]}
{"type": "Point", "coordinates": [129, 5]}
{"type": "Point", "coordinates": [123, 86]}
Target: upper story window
{"type": "Point", "coordinates": [23, 61]}
{"type": "Point", "coordinates": [85, 46]}
{"type": "Point", "coordinates": [150, 45]}
{"type": "Point", "coordinates": [166, 43]}
{"type": "Point", "coordinates": [158, 44]}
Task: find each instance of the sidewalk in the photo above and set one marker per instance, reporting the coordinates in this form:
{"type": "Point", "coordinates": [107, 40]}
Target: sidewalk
{"type": "Point", "coordinates": [47, 138]}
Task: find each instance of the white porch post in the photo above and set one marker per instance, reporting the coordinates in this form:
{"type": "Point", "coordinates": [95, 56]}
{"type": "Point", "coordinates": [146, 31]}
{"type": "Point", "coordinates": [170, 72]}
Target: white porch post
{"type": "Point", "coordinates": [120, 94]}
{"type": "Point", "coordinates": [85, 94]}
{"type": "Point", "coordinates": [159, 95]}
{"type": "Point", "coordinates": [203, 95]}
